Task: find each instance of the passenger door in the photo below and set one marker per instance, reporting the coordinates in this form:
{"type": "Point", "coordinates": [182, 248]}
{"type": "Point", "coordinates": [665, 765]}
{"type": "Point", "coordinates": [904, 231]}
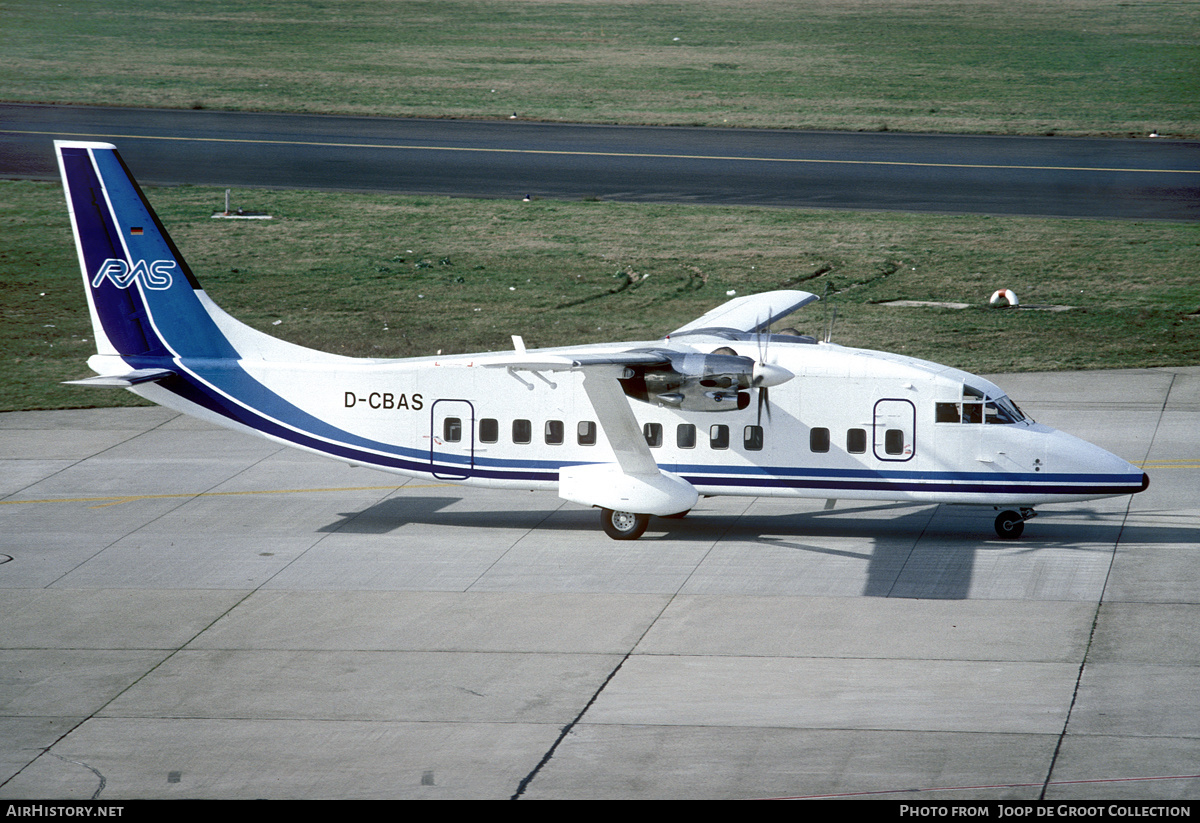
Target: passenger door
{"type": "Point", "coordinates": [452, 439]}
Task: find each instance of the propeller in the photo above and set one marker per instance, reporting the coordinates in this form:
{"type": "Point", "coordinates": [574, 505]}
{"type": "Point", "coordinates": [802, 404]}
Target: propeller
{"type": "Point", "coordinates": [765, 374]}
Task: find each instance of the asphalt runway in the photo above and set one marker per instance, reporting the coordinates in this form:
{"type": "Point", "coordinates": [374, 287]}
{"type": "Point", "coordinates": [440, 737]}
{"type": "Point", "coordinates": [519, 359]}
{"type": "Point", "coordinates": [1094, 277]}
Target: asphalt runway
{"type": "Point", "coordinates": [1144, 179]}
{"type": "Point", "coordinates": [190, 612]}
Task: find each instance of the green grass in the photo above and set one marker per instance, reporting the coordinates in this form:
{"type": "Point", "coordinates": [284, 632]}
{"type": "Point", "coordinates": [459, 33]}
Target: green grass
{"type": "Point", "coordinates": [390, 276]}
{"type": "Point", "coordinates": [980, 66]}
{"type": "Point", "coordinates": [395, 276]}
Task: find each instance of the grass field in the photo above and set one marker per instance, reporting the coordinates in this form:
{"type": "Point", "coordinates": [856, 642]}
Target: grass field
{"type": "Point", "coordinates": [1115, 67]}
{"type": "Point", "coordinates": [393, 276]}
{"type": "Point", "coordinates": [380, 276]}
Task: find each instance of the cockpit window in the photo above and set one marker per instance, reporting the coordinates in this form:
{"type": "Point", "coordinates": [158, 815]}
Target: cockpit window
{"type": "Point", "coordinates": [1006, 411]}
{"type": "Point", "coordinates": [978, 407]}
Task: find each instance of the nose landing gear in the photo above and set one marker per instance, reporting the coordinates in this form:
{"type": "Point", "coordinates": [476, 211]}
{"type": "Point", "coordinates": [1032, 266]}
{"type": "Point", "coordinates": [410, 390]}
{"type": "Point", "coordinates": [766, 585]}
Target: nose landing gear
{"type": "Point", "coordinates": [1010, 524]}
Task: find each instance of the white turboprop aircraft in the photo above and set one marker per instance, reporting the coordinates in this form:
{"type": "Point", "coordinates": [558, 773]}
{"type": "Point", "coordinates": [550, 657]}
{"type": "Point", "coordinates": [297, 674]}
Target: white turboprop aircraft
{"type": "Point", "coordinates": [720, 406]}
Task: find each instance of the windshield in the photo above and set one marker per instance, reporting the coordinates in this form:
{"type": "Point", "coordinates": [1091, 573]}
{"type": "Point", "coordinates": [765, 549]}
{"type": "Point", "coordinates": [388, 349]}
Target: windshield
{"type": "Point", "coordinates": [978, 407]}
{"type": "Point", "coordinates": [1008, 411]}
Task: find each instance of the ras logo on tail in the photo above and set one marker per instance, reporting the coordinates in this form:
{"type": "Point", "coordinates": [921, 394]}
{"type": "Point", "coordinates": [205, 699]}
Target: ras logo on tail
{"type": "Point", "coordinates": [156, 275]}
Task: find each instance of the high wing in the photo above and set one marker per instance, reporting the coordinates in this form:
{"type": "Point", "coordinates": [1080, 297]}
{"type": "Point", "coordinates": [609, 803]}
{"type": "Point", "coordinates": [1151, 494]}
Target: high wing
{"type": "Point", "coordinates": [748, 315]}
{"type": "Point", "coordinates": [672, 374]}
{"type": "Point", "coordinates": [752, 313]}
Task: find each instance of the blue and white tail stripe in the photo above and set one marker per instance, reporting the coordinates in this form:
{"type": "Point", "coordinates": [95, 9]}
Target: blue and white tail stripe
{"type": "Point", "coordinates": [149, 312]}
{"type": "Point", "coordinates": [142, 294]}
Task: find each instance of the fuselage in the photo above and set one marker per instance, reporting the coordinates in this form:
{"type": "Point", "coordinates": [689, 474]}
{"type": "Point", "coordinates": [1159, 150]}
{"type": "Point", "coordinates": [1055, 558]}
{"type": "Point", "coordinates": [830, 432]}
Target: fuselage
{"type": "Point", "coordinates": [851, 424]}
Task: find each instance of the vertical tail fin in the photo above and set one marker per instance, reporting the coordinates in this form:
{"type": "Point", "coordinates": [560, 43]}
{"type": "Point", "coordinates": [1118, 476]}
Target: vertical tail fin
{"type": "Point", "coordinates": [144, 300]}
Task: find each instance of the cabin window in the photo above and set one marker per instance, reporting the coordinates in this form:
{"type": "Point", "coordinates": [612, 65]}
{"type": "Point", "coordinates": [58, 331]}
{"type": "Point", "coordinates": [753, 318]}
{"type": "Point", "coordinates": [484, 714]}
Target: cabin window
{"type": "Point", "coordinates": [554, 432]}
{"type": "Point", "coordinates": [452, 430]}
{"type": "Point", "coordinates": [752, 438]}
{"type": "Point", "coordinates": [893, 441]}
{"type": "Point", "coordinates": [489, 430]}
{"type": "Point", "coordinates": [522, 431]}
{"type": "Point", "coordinates": [856, 441]}
{"type": "Point", "coordinates": [718, 436]}
{"type": "Point", "coordinates": [654, 434]}
{"type": "Point", "coordinates": [685, 436]}
{"type": "Point", "coordinates": [818, 440]}
{"type": "Point", "coordinates": [585, 433]}
{"type": "Point", "coordinates": [947, 413]}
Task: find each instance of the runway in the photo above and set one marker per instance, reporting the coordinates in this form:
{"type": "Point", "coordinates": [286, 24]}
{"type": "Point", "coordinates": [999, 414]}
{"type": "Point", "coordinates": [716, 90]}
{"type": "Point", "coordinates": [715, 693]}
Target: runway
{"type": "Point", "coordinates": [193, 613]}
{"type": "Point", "coordinates": [1144, 179]}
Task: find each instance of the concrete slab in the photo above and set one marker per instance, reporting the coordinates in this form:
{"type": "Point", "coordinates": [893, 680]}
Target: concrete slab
{"type": "Point", "coordinates": [452, 687]}
{"type": "Point", "coordinates": [823, 693]}
{"type": "Point", "coordinates": [194, 613]}
{"type": "Point", "coordinates": [285, 759]}
{"type": "Point", "coordinates": [546, 623]}
{"type": "Point", "coordinates": [893, 628]}
{"type": "Point", "coordinates": [107, 619]}
{"type": "Point", "coordinates": [674, 762]}
{"type": "Point", "coordinates": [1137, 760]}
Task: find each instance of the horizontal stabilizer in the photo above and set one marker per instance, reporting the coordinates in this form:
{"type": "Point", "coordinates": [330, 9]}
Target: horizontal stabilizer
{"type": "Point", "coordinates": [126, 380]}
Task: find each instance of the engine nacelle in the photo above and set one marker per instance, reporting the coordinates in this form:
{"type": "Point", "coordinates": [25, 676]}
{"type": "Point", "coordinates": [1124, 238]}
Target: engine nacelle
{"type": "Point", "coordinates": [698, 398]}
{"type": "Point", "coordinates": [701, 382]}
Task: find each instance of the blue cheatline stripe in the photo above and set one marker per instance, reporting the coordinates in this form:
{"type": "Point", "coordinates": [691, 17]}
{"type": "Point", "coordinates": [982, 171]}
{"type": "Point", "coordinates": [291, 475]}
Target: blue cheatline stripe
{"type": "Point", "coordinates": [262, 408]}
{"type": "Point", "coordinates": [1049, 486]}
{"type": "Point", "coordinates": [327, 439]}
{"type": "Point", "coordinates": [1028, 478]}
{"type": "Point", "coordinates": [344, 445]}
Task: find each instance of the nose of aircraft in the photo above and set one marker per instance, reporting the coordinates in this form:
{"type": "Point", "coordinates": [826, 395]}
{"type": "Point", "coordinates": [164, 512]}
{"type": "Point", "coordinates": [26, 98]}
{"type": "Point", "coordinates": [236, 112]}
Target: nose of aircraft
{"type": "Point", "coordinates": [1068, 453]}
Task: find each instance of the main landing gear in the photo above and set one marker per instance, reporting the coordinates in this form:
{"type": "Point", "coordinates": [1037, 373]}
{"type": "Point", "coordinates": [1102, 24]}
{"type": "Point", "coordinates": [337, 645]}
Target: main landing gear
{"type": "Point", "coordinates": [623, 525]}
{"type": "Point", "coordinates": [630, 526]}
{"type": "Point", "coordinates": [1010, 524]}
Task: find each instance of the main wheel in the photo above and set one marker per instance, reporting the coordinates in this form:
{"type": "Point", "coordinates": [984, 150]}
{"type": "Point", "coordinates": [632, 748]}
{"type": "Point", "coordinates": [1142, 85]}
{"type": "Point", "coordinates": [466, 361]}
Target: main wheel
{"type": "Point", "coordinates": [623, 525]}
{"type": "Point", "coordinates": [1009, 525]}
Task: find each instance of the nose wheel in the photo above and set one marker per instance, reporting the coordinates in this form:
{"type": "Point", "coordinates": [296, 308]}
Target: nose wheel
{"type": "Point", "coordinates": [1010, 524]}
